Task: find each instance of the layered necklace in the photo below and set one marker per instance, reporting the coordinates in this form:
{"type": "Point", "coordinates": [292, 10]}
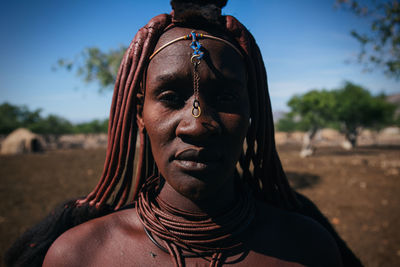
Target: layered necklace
{"type": "Point", "coordinates": [184, 234]}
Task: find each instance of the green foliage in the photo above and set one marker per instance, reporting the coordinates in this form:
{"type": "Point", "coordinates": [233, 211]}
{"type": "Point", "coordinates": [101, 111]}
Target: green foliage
{"type": "Point", "coordinates": [356, 107]}
{"type": "Point", "coordinates": [287, 124]}
{"type": "Point", "coordinates": [95, 65]}
{"type": "Point", "coordinates": [315, 108]}
{"type": "Point", "coordinates": [52, 124]}
{"type": "Point", "coordinates": [380, 47]}
{"type": "Point", "coordinates": [95, 126]}
{"type": "Point", "coordinates": [291, 123]}
{"type": "Point", "coordinates": [13, 117]}
{"type": "Point", "coordinates": [8, 118]}
{"type": "Point", "coordinates": [348, 108]}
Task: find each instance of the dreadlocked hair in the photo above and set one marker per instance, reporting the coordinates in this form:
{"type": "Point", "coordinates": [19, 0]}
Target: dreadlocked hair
{"type": "Point", "coordinates": [259, 163]}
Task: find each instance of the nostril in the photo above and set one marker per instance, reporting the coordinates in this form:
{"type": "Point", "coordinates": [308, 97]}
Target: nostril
{"type": "Point", "coordinates": [202, 127]}
{"type": "Point", "coordinates": [212, 126]}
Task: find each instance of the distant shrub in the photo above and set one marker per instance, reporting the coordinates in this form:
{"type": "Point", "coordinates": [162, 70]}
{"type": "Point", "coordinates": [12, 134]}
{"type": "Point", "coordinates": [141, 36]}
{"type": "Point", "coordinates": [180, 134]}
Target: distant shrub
{"type": "Point", "coordinates": [13, 117]}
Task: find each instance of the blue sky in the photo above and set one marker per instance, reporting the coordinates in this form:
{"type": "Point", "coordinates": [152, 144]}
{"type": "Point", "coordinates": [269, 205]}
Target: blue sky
{"type": "Point", "coordinates": [305, 45]}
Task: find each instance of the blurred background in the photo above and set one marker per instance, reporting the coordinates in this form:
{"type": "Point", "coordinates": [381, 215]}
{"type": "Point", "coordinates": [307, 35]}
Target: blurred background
{"type": "Point", "coordinates": [333, 73]}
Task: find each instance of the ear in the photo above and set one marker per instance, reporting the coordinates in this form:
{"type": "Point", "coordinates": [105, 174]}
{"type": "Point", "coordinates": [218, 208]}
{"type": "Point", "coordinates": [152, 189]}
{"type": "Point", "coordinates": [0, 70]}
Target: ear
{"type": "Point", "coordinates": [139, 110]}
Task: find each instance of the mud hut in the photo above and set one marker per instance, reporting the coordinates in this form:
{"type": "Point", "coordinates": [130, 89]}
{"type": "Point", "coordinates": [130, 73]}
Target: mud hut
{"type": "Point", "coordinates": [22, 141]}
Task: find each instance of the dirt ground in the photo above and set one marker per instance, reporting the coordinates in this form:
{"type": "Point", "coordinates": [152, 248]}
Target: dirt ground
{"type": "Point", "coordinates": [358, 191]}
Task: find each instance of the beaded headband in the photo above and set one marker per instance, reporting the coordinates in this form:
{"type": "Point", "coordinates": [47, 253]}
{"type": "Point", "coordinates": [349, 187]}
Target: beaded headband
{"type": "Point", "coordinates": [197, 55]}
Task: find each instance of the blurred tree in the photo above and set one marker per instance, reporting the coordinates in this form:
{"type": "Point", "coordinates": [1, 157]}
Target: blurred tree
{"type": "Point", "coordinates": [314, 110]}
{"type": "Point", "coordinates": [95, 65]}
{"type": "Point", "coordinates": [52, 124]}
{"type": "Point", "coordinates": [13, 117]}
{"type": "Point", "coordinates": [355, 108]}
{"type": "Point", "coordinates": [349, 108]}
{"type": "Point", "coordinates": [95, 126]}
{"type": "Point", "coordinates": [287, 123]}
{"type": "Point", "coordinates": [9, 118]}
{"type": "Point", "coordinates": [381, 45]}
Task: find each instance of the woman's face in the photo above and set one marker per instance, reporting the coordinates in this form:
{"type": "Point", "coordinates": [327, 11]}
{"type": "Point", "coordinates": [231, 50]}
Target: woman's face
{"type": "Point", "coordinates": [196, 156]}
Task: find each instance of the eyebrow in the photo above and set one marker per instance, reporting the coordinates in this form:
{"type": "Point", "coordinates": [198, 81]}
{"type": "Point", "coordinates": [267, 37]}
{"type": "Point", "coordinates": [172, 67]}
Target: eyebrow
{"type": "Point", "coordinates": [172, 77]}
{"type": "Point", "coordinates": [167, 76]}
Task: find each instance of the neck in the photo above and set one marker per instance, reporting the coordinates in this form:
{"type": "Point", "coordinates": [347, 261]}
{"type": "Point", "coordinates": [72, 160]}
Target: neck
{"type": "Point", "coordinates": [213, 204]}
{"type": "Point", "coordinates": [218, 232]}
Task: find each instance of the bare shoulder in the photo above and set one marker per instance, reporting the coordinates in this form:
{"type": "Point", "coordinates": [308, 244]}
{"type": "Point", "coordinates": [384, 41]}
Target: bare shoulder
{"type": "Point", "coordinates": [84, 244]}
{"type": "Point", "coordinates": [295, 237]}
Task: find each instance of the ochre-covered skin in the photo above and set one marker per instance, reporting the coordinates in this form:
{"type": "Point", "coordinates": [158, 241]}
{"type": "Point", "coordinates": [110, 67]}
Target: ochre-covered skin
{"type": "Point", "coordinates": [276, 238]}
{"type": "Point", "coordinates": [197, 158]}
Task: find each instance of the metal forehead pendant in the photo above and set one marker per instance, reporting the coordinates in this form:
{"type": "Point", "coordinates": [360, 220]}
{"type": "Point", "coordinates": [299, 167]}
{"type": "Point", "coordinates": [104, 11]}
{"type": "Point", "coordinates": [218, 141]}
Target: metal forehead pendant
{"type": "Point", "coordinates": [196, 59]}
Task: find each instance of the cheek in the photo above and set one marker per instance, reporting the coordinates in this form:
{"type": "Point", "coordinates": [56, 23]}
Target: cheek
{"type": "Point", "coordinates": [160, 130]}
{"type": "Point", "coordinates": [237, 123]}
{"type": "Point", "coordinates": [234, 123]}
{"type": "Point", "coordinates": [157, 123]}
{"type": "Point", "coordinates": [236, 127]}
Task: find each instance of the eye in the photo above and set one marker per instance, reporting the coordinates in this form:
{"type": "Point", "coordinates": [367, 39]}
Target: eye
{"type": "Point", "coordinates": [171, 98]}
{"type": "Point", "coordinates": [227, 96]}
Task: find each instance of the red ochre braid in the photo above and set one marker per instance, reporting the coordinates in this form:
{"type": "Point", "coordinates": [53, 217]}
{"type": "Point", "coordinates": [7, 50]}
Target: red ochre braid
{"type": "Point", "coordinates": [197, 234]}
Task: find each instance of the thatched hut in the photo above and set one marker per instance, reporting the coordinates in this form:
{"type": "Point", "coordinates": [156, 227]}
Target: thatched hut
{"type": "Point", "coordinates": [22, 141]}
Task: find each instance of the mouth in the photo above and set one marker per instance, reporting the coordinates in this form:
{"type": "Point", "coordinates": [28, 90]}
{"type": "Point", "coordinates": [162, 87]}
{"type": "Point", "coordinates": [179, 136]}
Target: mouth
{"type": "Point", "coordinates": [198, 159]}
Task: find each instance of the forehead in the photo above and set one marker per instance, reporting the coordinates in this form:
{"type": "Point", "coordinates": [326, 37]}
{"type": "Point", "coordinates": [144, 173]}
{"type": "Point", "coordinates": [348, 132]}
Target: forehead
{"type": "Point", "coordinates": [220, 60]}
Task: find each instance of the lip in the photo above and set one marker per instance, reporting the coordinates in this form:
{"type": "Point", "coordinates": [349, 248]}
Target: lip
{"type": "Point", "coordinates": [192, 159]}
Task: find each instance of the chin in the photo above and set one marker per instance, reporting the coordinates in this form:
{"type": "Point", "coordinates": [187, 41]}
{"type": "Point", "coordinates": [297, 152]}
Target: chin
{"type": "Point", "coordinates": [197, 189]}
{"type": "Point", "coordinates": [194, 190]}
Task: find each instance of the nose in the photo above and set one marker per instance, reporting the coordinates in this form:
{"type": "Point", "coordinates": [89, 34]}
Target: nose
{"type": "Point", "coordinates": [201, 128]}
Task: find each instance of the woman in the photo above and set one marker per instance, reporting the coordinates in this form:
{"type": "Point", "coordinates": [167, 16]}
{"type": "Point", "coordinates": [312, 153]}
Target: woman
{"type": "Point", "coordinates": [193, 85]}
